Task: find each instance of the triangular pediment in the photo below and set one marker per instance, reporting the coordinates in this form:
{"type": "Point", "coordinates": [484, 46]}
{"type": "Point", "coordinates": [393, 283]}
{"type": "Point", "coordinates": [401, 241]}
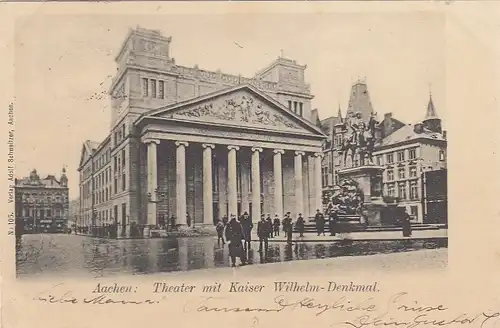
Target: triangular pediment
{"type": "Point", "coordinates": [241, 106]}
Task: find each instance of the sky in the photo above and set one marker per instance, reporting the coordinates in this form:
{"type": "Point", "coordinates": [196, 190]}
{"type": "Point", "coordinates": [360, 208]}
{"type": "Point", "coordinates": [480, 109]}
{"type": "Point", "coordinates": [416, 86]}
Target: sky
{"type": "Point", "coordinates": [62, 60]}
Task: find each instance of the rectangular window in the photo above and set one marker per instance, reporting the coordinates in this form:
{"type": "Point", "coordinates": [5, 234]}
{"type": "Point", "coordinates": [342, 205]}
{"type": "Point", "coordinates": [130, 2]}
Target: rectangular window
{"type": "Point", "coordinates": [123, 181]}
{"type": "Point", "coordinates": [49, 213]}
{"type": "Point", "coordinates": [301, 109]}
{"type": "Point", "coordinates": [401, 156]}
{"type": "Point", "coordinates": [414, 212]}
{"type": "Point", "coordinates": [412, 153]}
{"type": "Point", "coordinates": [115, 187]}
{"type": "Point", "coordinates": [115, 163]}
{"type": "Point", "coordinates": [289, 105]}
{"type": "Point", "coordinates": [402, 190]}
{"type": "Point", "coordinates": [123, 158]}
{"type": "Point", "coordinates": [153, 88]}
{"type": "Point", "coordinates": [116, 138]}
{"type": "Point", "coordinates": [390, 175]}
{"type": "Point", "coordinates": [295, 107]}
{"type": "Point", "coordinates": [145, 87]}
{"type": "Point", "coordinates": [390, 158]}
{"type": "Point", "coordinates": [161, 89]}
{"type": "Point", "coordinates": [441, 155]}
{"type": "Point", "coordinates": [401, 173]}
{"type": "Point", "coordinates": [413, 171]}
{"type": "Point", "coordinates": [379, 160]}
{"type": "Point", "coordinates": [390, 189]}
{"type": "Point", "coordinates": [413, 190]}
{"type": "Point", "coordinates": [124, 131]}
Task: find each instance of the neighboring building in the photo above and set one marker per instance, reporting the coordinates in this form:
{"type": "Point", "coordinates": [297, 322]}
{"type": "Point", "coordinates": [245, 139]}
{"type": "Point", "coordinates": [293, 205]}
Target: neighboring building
{"type": "Point", "coordinates": [42, 203]}
{"type": "Point", "coordinates": [74, 212]}
{"type": "Point", "coordinates": [405, 150]}
{"type": "Point", "coordinates": [188, 141]}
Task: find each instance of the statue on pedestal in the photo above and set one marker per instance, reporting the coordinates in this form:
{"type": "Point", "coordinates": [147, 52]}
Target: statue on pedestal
{"type": "Point", "coordinates": [360, 138]}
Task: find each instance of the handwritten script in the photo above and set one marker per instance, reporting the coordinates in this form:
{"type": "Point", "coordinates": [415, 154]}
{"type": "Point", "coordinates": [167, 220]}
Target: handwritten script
{"type": "Point", "coordinates": [400, 310]}
{"type": "Point", "coordinates": [58, 295]}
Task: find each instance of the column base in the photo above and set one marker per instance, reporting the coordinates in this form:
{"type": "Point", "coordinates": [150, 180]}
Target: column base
{"type": "Point", "coordinates": [209, 227]}
{"type": "Point", "coordinates": [182, 227]}
{"type": "Point", "coordinates": [146, 232]}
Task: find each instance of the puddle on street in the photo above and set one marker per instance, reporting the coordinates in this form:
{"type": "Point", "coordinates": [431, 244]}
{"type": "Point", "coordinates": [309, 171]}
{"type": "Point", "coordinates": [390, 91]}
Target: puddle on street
{"type": "Point", "coordinates": [76, 255]}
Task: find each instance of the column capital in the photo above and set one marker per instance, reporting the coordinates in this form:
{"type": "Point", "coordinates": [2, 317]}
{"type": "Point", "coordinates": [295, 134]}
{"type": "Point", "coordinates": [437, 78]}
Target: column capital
{"type": "Point", "coordinates": [299, 153]}
{"type": "Point", "coordinates": [231, 147]}
{"type": "Point", "coordinates": [256, 149]}
{"type": "Point", "coordinates": [182, 143]}
{"type": "Point", "coordinates": [278, 151]}
{"type": "Point", "coordinates": [320, 155]}
{"type": "Point", "coordinates": [151, 140]}
{"type": "Point", "coordinates": [208, 146]}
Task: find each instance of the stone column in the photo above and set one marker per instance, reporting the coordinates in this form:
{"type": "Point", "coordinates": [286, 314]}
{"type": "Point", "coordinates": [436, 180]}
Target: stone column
{"type": "Point", "coordinates": [180, 167]}
{"type": "Point", "coordinates": [207, 185]}
{"type": "Point", "coordinates": [318, 188]}
{"type": "Point", "coordinates": [299, 194]}
{"type": "Point", "coordinates": [256, 184]}
{"type": "Point", "coordinates": [245, 180]}
{"type": "Point", "coordinates": [152, 179]}
{"type": "Point", "coordinates": [232, 191]}
{"type": "Point", "coordinates": [278, 183]}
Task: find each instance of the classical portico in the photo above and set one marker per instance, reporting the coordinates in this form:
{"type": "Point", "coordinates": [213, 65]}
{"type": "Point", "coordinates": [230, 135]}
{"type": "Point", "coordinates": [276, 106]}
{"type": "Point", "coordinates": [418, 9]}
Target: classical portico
{"type": "Point", "coordinates": [229, 152]}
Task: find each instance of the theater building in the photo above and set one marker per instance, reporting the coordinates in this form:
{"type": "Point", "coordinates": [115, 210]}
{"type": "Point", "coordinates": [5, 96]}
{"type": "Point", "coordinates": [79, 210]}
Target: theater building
{"type": "Point", "coordinates": [186, 141]}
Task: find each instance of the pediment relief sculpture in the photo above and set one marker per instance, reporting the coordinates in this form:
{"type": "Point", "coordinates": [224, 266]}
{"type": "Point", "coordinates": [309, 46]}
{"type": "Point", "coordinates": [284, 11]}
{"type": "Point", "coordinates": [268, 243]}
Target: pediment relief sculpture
{"type": "Point", "coordinates": [242, 108]}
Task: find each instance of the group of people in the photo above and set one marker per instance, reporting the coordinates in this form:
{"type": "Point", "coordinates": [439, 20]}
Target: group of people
{"type": "Point", "coordinates": [320, 221]}
{"type": "Point", "coordinates": [237, 234]}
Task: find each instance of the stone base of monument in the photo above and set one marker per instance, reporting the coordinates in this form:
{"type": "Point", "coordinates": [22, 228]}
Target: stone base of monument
{"type": "Point", "coordinates": [369, 179]}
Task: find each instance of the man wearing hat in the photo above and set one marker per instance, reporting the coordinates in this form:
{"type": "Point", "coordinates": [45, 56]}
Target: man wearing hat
{"type": "Point", "coordinates": [300, 225]}
{"type": "Point", "coordinates": [247, 225]}
{"type": "Point", "coordinates": [234, 238]}
{"type": "Point", "coordinates": [263, 233]}
{"type": "Point", "coordinates": [269, 226]}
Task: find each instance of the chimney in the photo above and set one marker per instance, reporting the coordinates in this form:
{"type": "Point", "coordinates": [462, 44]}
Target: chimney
{"type": "Point", "coordinates": [444, 135]}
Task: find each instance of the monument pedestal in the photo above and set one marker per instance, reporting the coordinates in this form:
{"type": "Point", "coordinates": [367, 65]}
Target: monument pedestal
{"type": "Point", "coordinates": [369, 180]}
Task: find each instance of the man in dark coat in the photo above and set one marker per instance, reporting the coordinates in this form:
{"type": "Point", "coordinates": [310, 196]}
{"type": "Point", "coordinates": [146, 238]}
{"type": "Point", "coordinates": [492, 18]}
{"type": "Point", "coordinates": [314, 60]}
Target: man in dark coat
{"type": "Point", "coordinates": [289, 231]}
{"type": "Point", "coordinates": [320, 222]}
{"type": "Point", "coordinates": [263, 233]}
{"type": "Point", "coordinates": [332, 222]}
{"type": "Point", "coordinates": [247, 225]}
{"type": "Point", "coordinates": [234, 237]}
{"type": "Point", "coordinates": [269, 226]}
{"type": "Point", "coordinates": [219, 227]}
{"type": "Point", "coordinates": [286, 221]}
{"type": "Point", "coordinates": [300, 225]}
{"type": "Point", "coordinates": [406, 224]}
{"type": "Point", "coordinates": [276, 225]}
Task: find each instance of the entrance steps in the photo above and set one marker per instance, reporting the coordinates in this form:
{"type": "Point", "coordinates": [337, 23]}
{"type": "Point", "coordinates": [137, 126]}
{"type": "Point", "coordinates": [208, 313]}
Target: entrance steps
{"type": "Point", "coordinates": [350, 223]}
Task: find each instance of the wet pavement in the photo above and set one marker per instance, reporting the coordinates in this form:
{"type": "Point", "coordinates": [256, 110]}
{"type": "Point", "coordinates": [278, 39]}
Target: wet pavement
{"type": "Point", "coordinates": [74, 256]}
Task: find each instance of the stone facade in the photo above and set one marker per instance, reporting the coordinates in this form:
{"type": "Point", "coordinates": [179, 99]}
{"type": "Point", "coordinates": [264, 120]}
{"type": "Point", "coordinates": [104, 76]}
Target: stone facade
{"type": "Point", "coordinates": [189, 141]}
{"type": "Point", "coordinates": [42, 203]}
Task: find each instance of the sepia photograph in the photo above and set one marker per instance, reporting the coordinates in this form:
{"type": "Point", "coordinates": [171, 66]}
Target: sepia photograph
{"type": "Point", "coordinates": [173, 142]}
